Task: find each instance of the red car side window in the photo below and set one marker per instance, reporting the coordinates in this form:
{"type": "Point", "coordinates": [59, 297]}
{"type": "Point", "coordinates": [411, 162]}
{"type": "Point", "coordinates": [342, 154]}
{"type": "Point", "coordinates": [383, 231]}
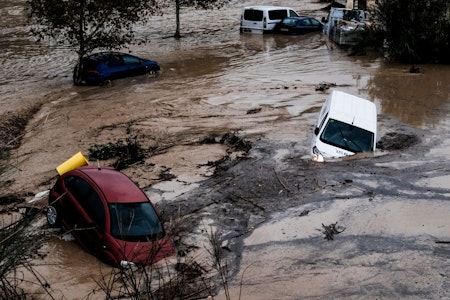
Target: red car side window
{"type": "Point", "coordinates": [88, 199]}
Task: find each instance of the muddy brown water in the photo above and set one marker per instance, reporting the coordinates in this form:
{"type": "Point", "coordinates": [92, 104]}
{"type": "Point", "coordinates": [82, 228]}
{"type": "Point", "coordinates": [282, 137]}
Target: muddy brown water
{"type": "Point", "coordinates": [211, 79]}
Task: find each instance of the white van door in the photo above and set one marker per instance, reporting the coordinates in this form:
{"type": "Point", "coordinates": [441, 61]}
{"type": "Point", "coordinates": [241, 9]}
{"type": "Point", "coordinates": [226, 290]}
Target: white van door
{"type": "Point", "coordinates": [252, 20]}
{"type": "Point", "coordinates": [261, 19]}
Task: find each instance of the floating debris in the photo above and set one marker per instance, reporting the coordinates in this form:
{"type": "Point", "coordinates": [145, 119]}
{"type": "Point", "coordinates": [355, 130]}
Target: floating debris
{"type": "Point", "coordinates": [331, 230]}
{"type": "Point", "coordinates": [324, 86]}
{"type": "Point", "coordinates": [238, 143]}
{"type": "Point", "coordinates": [253, 111]}
{"type": "Point", "coordinates": [304, 213]}
{"type": "Point", "coordinates": [397, 141]}
{"type": "Point", "coordinates": [414, 70]}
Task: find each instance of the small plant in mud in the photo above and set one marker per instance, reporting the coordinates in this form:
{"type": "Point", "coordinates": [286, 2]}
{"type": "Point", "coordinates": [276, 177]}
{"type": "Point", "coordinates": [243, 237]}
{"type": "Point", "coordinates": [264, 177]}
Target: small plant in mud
{"type": "Point", "coordinates": [178, 277]}
{"type": "Point", "coordinates": [230, 139]}
{"type": "Point", "coordinates": [397, 141]}
{"type": "Point", "coordinates": [12, 129]}
{"type": "Point", "coordinates": [126, 152]}
{"type": "Point", "coordinates": [183, 279]}
{"type": "Point", "coordinates": [238, 143]}
{"type": "Point", "coordinates": [218, 260]}
{"type": "Point", "coordinates": [20, 241]}
{"type": "Point", "coordinates": [234, 143]}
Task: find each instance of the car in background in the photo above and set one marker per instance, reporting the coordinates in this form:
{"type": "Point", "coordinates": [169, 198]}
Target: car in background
{"type": "Point", "coordinates": [99, 68]}
{"type": "Point", "coordinates": [263, 18]}
{"type": "Point", "coordinates": [298, 25]}
{"type": "Point", "coordinates": [346, 26]}
{"type": "Point", "coordinates": [109, 216]}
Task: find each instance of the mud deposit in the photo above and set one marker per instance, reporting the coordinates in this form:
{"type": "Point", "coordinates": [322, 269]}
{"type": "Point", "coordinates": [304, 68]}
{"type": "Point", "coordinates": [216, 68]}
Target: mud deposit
{"type": "Point", "coordinates": [226, 129]}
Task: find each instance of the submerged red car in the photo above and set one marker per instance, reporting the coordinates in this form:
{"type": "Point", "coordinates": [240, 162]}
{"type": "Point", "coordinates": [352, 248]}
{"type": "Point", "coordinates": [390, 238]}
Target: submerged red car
{"type": "Point", "coordinates": [109, 215]}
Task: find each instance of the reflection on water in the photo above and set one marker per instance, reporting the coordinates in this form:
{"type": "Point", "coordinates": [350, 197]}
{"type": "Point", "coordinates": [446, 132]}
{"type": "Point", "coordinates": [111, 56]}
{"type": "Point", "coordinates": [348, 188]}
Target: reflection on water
{"type": "Point", "coordinates": [244, 67]}
{"type": "Point", "coordinates": [418, 99]}
{"type": "Point", "coordinates": [69, 270]}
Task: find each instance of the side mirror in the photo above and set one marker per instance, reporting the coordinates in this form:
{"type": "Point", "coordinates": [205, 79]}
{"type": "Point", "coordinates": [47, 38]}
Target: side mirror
{"type": "Point", "coordinates": [316, 131]}
{"type": "Point", "coordinates": [324, 20]}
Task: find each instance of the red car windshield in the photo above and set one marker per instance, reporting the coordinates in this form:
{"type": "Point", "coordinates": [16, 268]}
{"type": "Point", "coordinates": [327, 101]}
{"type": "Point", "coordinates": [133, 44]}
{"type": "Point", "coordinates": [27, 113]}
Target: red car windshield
{"type": "Point", "coordinates": [135, 222]}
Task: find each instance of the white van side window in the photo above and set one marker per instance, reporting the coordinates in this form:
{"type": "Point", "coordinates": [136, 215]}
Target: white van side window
{"type": "Point", "coordinates": [323, 120]}
{"type": "Point", "coordinates": [277, 14]}
{"type": "Point", "coordinates": [293, 13]}
{"type": "Point", "coordinates": [253, 15]}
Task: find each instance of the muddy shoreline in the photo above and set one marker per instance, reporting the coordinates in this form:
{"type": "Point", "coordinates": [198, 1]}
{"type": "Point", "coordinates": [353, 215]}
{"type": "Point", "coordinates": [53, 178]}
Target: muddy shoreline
{"type": "Point", "coordinates": [268, 201]}
{"type": "Point", "coordinates": [274, 177]}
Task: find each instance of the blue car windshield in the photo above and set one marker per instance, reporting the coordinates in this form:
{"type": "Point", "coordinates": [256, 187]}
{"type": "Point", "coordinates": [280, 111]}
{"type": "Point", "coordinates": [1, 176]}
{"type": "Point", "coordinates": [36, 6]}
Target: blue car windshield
{"type": "Point", "coordinates": [135, 222]}
{"type": "Point", "coordinates": [348, 137]}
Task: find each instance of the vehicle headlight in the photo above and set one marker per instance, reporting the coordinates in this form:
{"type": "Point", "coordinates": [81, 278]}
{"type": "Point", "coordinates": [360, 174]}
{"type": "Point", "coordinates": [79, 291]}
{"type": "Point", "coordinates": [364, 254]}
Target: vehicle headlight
{"type": "Point", "coordinates": [317, 156]}
{"type": "Point", "coordinates": [128, 265]}
{"type": "Point", "coordinates": [316, 151]}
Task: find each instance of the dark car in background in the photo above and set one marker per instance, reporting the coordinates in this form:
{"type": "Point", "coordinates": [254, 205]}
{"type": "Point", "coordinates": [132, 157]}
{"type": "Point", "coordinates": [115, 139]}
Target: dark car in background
{"type": "Point", "coordinates": [102, 67]}
{"type": "Point", "coordinates": [109, 215]}
{"type": "Point", "coordinates": [298, 25]}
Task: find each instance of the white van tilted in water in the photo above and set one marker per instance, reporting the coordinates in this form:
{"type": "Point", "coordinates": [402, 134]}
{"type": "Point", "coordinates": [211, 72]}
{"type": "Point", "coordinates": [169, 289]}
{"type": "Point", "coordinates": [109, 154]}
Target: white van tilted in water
{"type": "Point", "coordinates": [347, 125]}
{"type": "Point", "coordinates": [262, 19]}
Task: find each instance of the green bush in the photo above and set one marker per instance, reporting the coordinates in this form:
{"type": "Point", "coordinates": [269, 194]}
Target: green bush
{"type": "Point", "coordinates": [414, 31]}
{"type": "Point", "coordinates": [125, 152]}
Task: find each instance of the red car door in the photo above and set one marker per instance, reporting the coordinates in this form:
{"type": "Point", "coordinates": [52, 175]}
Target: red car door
{"type": "Point", "coordinates": [83, 213]}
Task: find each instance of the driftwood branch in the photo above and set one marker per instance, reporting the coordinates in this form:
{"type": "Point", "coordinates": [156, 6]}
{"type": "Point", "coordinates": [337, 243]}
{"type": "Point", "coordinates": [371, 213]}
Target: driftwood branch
{"type": "Point", "coordinates": [281, 181]}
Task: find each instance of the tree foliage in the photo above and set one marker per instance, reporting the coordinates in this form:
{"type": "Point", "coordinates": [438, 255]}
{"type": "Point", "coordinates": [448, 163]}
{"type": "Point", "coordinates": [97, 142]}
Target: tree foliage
{"type": "Point", "coordinates": [87, 25]}
{"type": "Point", "coordinates": [415, 31]}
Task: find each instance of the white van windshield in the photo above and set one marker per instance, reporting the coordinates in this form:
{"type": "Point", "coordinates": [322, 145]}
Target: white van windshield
{"type": "Point", "coordinates": [347, 136]}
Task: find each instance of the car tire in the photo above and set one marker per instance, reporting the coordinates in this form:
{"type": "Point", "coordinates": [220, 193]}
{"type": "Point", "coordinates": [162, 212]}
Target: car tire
{"type": "Point", "coordinates": [106, 82]}
{"type": "Point", "coordinates": [53, 218]}
{"type": "Point", "coordinates": [152, 73]}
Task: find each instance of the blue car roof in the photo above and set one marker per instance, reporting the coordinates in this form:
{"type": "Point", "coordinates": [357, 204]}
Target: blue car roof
{"type": "Point", "coordinates": [298, 18]}
{"type": "Point", "coordinates": [102, 55]}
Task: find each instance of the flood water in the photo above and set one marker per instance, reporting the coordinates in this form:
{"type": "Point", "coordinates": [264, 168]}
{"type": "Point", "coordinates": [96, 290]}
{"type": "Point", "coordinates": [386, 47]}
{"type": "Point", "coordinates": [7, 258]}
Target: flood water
{"type": "Point", "coordinates": [213, 54]}
{"type": "Point", "coordinates": [210, 79]}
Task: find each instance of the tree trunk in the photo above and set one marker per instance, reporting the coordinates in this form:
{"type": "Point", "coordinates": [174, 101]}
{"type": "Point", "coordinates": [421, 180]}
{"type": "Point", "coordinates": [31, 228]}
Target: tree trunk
{"type": "Point", "coordinates": [177, 12]}
{"type": "Point", "coordinates": [77, 71]}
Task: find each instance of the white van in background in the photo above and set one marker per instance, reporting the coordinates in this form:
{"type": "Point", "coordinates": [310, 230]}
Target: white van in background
{"type": "Point", "coordinates": [262, 19]}
{"type": "Point", "coordinates": [347, 125]}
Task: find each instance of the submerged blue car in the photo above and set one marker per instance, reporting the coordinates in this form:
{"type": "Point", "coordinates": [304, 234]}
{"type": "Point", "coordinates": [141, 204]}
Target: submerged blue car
{"type": "Point", "coordinates": [298, 25]}
{"type": "Point", "coordinates": [102, 67]}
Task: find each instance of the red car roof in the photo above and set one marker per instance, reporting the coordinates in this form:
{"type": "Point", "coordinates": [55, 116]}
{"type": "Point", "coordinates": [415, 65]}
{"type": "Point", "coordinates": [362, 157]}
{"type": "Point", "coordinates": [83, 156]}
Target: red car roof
{"type": "Point", "coordinates": [116, 186]}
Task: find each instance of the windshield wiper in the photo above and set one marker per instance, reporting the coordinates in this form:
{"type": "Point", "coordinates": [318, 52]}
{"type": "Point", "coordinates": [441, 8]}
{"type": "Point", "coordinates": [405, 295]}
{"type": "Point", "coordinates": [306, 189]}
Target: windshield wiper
{"type": "Point", "coordinates": [346, 138]}
{"type": "Point", "coordinates": [356, 144]}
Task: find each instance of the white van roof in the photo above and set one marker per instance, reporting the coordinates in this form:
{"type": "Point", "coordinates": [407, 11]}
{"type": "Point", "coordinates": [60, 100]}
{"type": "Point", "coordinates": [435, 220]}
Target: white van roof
{"type": "Point", "coordinates": [266, 7]}
{"type": "Point", "coordinates": [353, 110]}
